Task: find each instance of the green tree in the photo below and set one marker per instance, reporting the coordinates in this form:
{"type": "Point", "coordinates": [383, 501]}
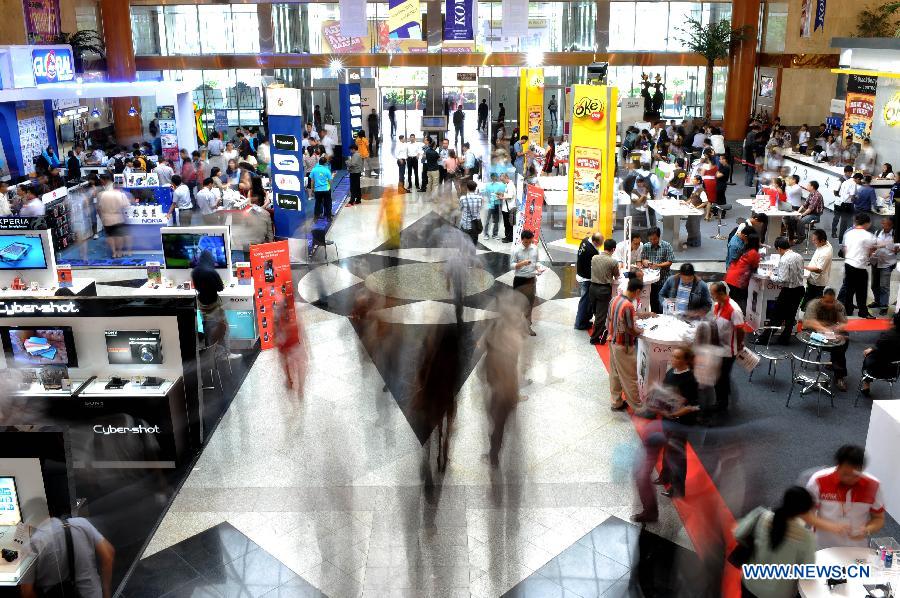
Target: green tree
{"type": "Point", "coordinates": [86, 42]}
{"type": "Point", "coordinates": [879, 22]}
{"type": "Point", "coordinates": [713, 42]}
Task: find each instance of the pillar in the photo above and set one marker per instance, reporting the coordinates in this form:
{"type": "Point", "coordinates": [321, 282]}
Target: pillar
{"type": "Point", "coordinates": [120, 66]}
{"type": "Point", "coordinates": [741, 69]}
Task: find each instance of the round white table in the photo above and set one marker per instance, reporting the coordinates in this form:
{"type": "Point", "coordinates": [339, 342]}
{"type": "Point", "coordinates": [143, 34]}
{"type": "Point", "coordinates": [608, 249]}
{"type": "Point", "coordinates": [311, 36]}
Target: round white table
{"type": "Point", "coordinates": [817, 588]}
{"type": "Point", "coordinates": [655, 347]}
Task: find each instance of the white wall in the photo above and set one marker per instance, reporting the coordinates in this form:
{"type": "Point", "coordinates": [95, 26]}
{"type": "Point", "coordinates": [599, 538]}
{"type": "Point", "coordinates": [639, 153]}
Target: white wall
{"type": "Point", "coordinates": [29, 485]}
{"type": "Point", "coordinates": [885, 139]}
{"type": "Point", "coordinates": [90, 344]}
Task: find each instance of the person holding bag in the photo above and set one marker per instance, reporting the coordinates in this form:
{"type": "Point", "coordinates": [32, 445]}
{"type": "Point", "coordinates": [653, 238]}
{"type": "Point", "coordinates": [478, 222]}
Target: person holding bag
{"type": "Point", "coordinates": [776, 537]}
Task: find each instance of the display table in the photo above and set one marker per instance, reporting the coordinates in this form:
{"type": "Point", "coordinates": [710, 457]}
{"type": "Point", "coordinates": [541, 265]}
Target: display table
{"type": "Point", "coordinates": [672, 211]}
{"type": "Point", "coordinates": [882, 440]}
{"type": "Point", "coordinates": [650, 277]}
{"type": "Point", "coordinates": [81, 287]}
{"type": "Point", "coordinates": [662, 335]}
{"type": "Point", "coordinates": [818, 588]}
{"type": "Point", "coordinates": [557, 201]}
{"type": "Point", "coordinates": [828, 177]}
{"type": "Point", "coordinates": [773, 231]}
{"type": "Point", "coordinates": [554, 183]}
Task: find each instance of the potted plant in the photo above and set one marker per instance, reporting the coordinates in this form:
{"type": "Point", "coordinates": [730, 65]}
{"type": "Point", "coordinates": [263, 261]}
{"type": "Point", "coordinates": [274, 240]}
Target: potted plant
{"type": "Point", "coordinates": [712, 41]}
{"type": "Point", "coordinates": [879, 22]}
{"type": "Point", "coordinates": [84, 42]}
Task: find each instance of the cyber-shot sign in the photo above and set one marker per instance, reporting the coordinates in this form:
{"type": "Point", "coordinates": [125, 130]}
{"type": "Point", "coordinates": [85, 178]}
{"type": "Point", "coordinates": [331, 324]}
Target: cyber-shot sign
{"type": "Point", "coordinates": [286, 162]}
{"type": "Point", "coordinates": [285, 143]}
{"type": "Point", "coordinates": [288, 182]}
{"type": "Point", "coordinates": [53, 65]}
{"type": "Point", "coordinates": [287, 201]}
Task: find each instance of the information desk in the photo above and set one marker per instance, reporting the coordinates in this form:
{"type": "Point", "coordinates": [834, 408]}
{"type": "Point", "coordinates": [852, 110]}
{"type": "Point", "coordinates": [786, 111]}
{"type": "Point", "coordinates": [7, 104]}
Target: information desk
{"type": "Point", "coordinates": [854, 588]}
{"type": "Point", "coordinates": [828, 176]}
{"type": "Point", "coordinates": [881, 445]}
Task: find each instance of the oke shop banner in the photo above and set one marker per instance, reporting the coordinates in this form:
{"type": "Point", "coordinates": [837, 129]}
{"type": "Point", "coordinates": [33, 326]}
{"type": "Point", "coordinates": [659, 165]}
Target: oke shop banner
{"type": "Point", "coordinates": [405, 19]}
{"type": "Point", "coordinates": [591, 162]}
{"type": "Point", "coordinates": [270, 264]}
{"type": "Point", "coordinates": [531, 104]}
{"type": "Point", "coordinates": [531, 213]}
{"type": "Point", "coordinates": [860, 108]}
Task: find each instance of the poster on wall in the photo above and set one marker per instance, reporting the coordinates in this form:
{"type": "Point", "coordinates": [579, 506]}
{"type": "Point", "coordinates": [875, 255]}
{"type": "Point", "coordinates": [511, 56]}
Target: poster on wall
{"type": "Point", "coordinates": [860, 108]}
{"type": "Point", "coordinates": [270, 264]}
{"type": "Point", "coordinates": [378, 40]}
{"type": "Point", "coordinates": [405, 19]}
{"type": "Point", "coordinates": [33, 139]}
{"type": "Point", "coordinates": [530, 215]}
{"type": "Point", "coordinates": [587, 172]}
{"type": "Point", "coordinates": [168, 137]}
{"type": "Point", "coordinates": [531, 104]}
{"type": "Point", "coordinates": [42, 21]}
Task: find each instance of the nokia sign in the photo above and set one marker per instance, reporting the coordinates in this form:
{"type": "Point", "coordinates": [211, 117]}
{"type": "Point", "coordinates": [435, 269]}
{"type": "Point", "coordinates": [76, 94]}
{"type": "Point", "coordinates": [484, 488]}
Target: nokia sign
{"type": "Point", "coordinates": [54, 65]}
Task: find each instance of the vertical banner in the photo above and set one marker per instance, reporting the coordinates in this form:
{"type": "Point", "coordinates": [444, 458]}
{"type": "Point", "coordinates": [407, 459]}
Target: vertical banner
{"type": "Point", "coordinates": [591, 161]}
{"type": "Point", "coordinates": [168, 132]}
{"type": "Point", "coordinates": [860, 108]}
{"type": "Point", "coordinates": [42, 24]}
{"type": "Point", "coordinates": [405, 19]}
{"type": "Point", "coordinates": [515, 18]}
{"type": "Point", "coordinates": [350, 97]}
{"type": "Point", "coordinates": [805, 18]}
{"type": "Point", "coordinates": [531, 104]}
{"type": "Point", "coordinates": [221, 120]}
{"type": "Point", "coordinates": [531, 213]}
{"type": "Point", "coordinates": [270, 264]}
{"type": "Point", "coordinates": [285, 133]}
{"type": "Point", "coordinates": [820, 15]}
{"type": "Point", "coordinates": [354, 22]}
{"type": "Point", "coordinates": [459, 23]}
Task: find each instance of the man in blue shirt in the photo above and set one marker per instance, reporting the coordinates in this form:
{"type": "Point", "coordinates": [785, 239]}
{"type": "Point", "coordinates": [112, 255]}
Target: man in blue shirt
{"type": "Point", "coordinates": [864, 201]}
{"type": "Point", "coordinates": [520, 148]}
{"type": "Point", "coordinates": [493, 215]}
{"type": "Point", "coordinates": [735, 248]}
{"type": "Point", "coordinates": [321, 179]}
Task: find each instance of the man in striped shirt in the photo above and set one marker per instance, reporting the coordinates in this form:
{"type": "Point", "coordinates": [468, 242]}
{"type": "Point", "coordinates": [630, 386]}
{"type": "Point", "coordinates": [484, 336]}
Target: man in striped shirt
{"type": "Point", "coordinates": [623, 333]}
{"type": "Point", "coordinates": [470, 211]}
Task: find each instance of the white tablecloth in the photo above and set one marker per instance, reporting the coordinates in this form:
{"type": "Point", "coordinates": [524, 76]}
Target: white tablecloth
{"type": "Point", "coordinates": [881, 446]}
{"type": "Point", "coordinates": [817, 588]}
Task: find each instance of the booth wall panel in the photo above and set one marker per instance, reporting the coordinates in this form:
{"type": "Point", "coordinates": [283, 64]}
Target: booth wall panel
{"type": "Point", "coordinates": [807, 96]}
{"type": "Point", "coordinates": [90, 344]}
{"type": "Point", "coordinates": [29, 487]}
{"type": "Point", "coordinates": [885, 139]}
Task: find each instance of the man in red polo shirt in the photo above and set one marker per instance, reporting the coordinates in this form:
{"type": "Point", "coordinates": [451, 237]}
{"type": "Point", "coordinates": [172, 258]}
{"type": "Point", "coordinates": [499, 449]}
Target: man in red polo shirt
{"type": "Point", "coordinates": [849, 505]}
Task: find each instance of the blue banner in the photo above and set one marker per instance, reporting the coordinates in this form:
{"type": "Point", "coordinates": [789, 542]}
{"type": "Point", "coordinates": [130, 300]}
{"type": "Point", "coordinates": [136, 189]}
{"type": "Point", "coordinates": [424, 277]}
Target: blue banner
{"type": "Point", "coordinates": [52, 65]}
{"type": "Point", "coordinates": [459, 23]}
{"type": "Point", "coordinates": [288, 190]}
{"type": "Point", "coordinates": [820, 15]}
{"type": "Point", "coordinates": [350, 97]}
{"type": "Point", "coordinates": [221, 119]}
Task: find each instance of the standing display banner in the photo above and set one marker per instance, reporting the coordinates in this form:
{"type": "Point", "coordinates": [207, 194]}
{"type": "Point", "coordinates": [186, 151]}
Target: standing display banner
{"type": "Point", "coordinates": [285, 133]}
{"type": "Point", "coordinates": [270, 264]}
{"type": "Point", "coordinates": [350, 97]}
{"type": "Point", "coordinates": [459, 25]}
{"type": "Point", "coordinates": [860, 108]}
{"type": "Point", "coordinates": [404, 19]}
{"type": "Point", "coordinates": [531, 214]}
{"type": "Point", "coordinates": [221, 119]}
{"type": "Point", "coordinates": [626, 239]}
{"type": "Point", "coordinates": [514, 18]}
{"type": "Point", "coordinates": [168, 132]}
{"type": "Point", "coordinates": [592, 162]}
{"type": "Point", "coordinates": [531, 104]}
{"type": "Point", "coordinates": [353, 18]}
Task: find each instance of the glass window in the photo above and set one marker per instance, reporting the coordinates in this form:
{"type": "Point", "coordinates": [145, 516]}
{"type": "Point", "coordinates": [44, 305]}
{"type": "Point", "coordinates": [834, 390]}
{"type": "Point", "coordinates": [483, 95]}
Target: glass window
{"type": "Point", "coordinates": [621, 25]}
{"type": "Point", "coordinates": [146, 24]}
{"type": "Point", "coordinates": [182, 35]}
{"type": "Point", "coordinates": [245, 23]}
{"type": "Point", "coordinates": [215, 31]}
{"type": "Point", "coordinates": [775, 27]}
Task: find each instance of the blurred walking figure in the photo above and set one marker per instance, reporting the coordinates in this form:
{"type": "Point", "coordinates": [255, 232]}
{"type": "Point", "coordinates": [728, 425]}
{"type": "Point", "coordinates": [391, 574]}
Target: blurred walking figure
{"type": "Point", "coordinates": [457, 267]}
{"type": "Point", "coordinates": [503, 343]}
{"type": "Point", "coordinates": [390, 218]}
{"type": "Point", "coordinates": [291, 343]}
{"type": "Point", "coordinates": [524, 260]}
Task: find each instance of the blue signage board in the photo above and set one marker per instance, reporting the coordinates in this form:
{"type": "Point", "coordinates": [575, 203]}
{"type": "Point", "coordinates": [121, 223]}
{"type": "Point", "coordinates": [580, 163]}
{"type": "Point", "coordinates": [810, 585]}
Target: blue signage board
{"type": "Point", "coordinates": [53, 65]}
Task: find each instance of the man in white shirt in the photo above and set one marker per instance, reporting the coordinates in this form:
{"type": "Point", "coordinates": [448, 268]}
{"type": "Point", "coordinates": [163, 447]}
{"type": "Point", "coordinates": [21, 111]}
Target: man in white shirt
{"type": "Point", "coordinates": [328, 142]}
{"type": "Point", "coordinates": [400, 154]}
{"type": "Point", "coordinates": [413, 149]}
{"type": "Point", "coordinates": [469, 160]}
{"type": "Point", "coordinates": [794, 191]}
{"type": "Point", "coordinates": [858, 246]}
{"type": "Point", "coordinates": [729, 322]}
{"type": "Point", "coordinates": [849, 506]}
{"type": "Point", "coordinates": [819, 266]}
{"type": "Point", "coordinates": [622, 250]}
{"type": "Point", "coordinates": [181, 202]}
{"type": "Point", "coordinates": [865, 160]}
{"type": "Point", "coordinates": [443, 153]}
{"type": "Point", "coordinates": [884, 260]}
{"type": "Point", "coordinates": [844, 207]}
{"type": "Point", "coordinates": [508, 206]}
{"type": "Point", "coordinates": [165, 172]}
{"type": "Point", "coordinates": [208, 201]}
{"type": "Point", "coordinates": [33, 206]}
{"type": "Point", "coordinates": [311, 132]}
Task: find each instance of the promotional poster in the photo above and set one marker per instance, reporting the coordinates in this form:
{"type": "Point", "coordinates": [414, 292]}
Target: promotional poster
{"type": "Point", "coordinates": [587, 172]}
{"type": "Point", "coordinates": [531, 213]}
{"type": "Point", "coordinates": [405, 19]}
{"type": "Point", "coordinates": [531, 104]}
{"type": "Point", "coordinates": [860, 108]}
{"type": "Point", "coordinates": [270, 264]}
{"type": "Point", "coordinates": [285, 133]}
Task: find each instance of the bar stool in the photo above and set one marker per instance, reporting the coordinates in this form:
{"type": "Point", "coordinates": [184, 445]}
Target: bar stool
{"type": "Point", "coordinates": [869, 377]}
{"type": "Point", "coordinates": [721, 209]}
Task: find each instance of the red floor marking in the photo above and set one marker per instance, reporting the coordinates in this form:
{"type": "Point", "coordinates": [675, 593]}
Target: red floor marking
{"type": "Point", "coordinates": [869, 325]}
{"type": "Point", "coordinates": [702, 504]}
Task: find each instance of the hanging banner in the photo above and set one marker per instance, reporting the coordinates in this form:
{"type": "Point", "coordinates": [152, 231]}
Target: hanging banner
{"type": "Point", "coordinates": [515, 18]}
{"type": "Point", "coordinates": [350, 95]}
{"type": "Point", "coordinates": [531, 213]}
{"type": "Point", "coordinates": [405, 19]}
{"type": "Point", "coordinates": [531, 104]}
{"type": "Point", "coordinates": [591, 162]}
{"type": "Point", "coordinates": [270, 264]}
{"type": "Point", "coordinates": [820, 15]}
{"type": "Point", "coordinates": [285, 133]}
{"type": "Point", "coordinates": [459, 24]}
{"type": "Point", "coordinates": [860, 108]}
{"type": "Point", "coordinates": [168, 132]}
{"type": "Point", "coordinates": [220, 119]}
{"type": "Point", "coordinates": [805, 18]}
{"type": "Point", "coordinates": [353, 18]}
{"type": "Point", "coordinates": [42, 24]}
{"type": "Point", "coordinates": [377, 40]}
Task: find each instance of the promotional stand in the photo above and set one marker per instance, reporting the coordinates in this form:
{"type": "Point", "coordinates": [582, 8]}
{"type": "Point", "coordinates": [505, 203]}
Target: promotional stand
{"type": "Point", "coordinates": [285, 135]}
{"type": "Point", "coordinates": [531, 104]}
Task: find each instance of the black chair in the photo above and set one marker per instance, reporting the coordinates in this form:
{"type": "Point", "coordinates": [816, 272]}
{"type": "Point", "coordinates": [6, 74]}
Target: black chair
{"type": "Point", "coordinates": [722, 209]}
{"type": "Point", "coordinates": [869, 377]}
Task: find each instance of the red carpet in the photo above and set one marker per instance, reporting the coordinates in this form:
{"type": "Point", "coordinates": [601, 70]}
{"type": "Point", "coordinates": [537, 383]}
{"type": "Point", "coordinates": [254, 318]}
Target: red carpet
{"type": "Point", "coordinates": [877, 325]}
{"type": "Point", "coordinates": [703, 511]}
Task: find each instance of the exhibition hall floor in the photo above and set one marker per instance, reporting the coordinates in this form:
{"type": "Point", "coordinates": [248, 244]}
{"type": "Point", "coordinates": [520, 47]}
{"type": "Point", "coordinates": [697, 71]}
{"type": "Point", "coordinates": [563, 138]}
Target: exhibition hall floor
{"type": "Point", "coordinates": [338, 493]}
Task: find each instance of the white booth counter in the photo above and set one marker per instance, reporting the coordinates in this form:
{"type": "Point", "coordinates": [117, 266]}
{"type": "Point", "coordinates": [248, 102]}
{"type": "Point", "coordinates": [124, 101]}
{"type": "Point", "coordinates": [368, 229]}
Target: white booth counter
{"type": "Point", "coordinates": [828, 177]}
{"type": "Point", "coordinates": [762, 292]}
{"type": "Point", "coordinates": [881, 444]}
{"type": "Point", "coordinates": [661, 336]}
{"type": "Point", "coordinates": [11, 574]}
{"type": "Point", "coordinates": [854, 588]}
{"type": "Point", "coordinates": [773, 230]}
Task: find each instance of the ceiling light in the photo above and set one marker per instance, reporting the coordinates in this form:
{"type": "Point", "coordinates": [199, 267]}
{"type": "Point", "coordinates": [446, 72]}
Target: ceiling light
{"type": "Point", "coordinates": [535, 57]}
{"type": "Point", "coordinates": [336, 66]}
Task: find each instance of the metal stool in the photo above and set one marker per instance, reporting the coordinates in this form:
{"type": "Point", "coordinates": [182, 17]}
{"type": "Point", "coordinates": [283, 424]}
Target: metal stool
{"type": "Point", "coordinates": [721, 209]}
{"type": "Point", "coordinates": [766, 351]}
{"type": "Point", "coordinates": [867, 376]}
{"type": "Point", "coordinates": [811, 375]}
{"type": "Point", "coordinates": [809, 229]}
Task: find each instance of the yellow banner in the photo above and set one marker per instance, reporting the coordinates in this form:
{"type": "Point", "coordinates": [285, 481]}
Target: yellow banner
{"type": "Point", "coordinates": [405, 19]}
{"type": "Point", "coordinates": [531, 104]}
{"type": "Point", "coordinates": [592, 161]}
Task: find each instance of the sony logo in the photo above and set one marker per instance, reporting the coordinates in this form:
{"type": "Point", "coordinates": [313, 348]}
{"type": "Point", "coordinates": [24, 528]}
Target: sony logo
{"type": "Point", "coordinates": [15, 308]}
{"type": "Point", "coordinates": [141, 429]}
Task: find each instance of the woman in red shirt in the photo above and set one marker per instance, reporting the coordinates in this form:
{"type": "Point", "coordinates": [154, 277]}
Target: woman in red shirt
{"type": "Point", "coordinates": [738, 276]}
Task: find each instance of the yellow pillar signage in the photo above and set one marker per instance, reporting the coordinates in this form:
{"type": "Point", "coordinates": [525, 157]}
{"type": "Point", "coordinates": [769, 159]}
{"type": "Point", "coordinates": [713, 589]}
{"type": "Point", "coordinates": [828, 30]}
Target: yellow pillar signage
{"type": "Point", "coordinates": [531, 104]}
{"type": "Point", "coordinates": [592, 161]}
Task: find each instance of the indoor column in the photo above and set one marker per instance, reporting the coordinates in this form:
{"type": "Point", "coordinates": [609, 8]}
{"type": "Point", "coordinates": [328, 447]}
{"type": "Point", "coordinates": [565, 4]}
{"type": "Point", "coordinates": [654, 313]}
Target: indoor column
{"type": "Point", "coordinates": [741, 69]}
{"type": "Point", "coordinates": [120, 66]}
